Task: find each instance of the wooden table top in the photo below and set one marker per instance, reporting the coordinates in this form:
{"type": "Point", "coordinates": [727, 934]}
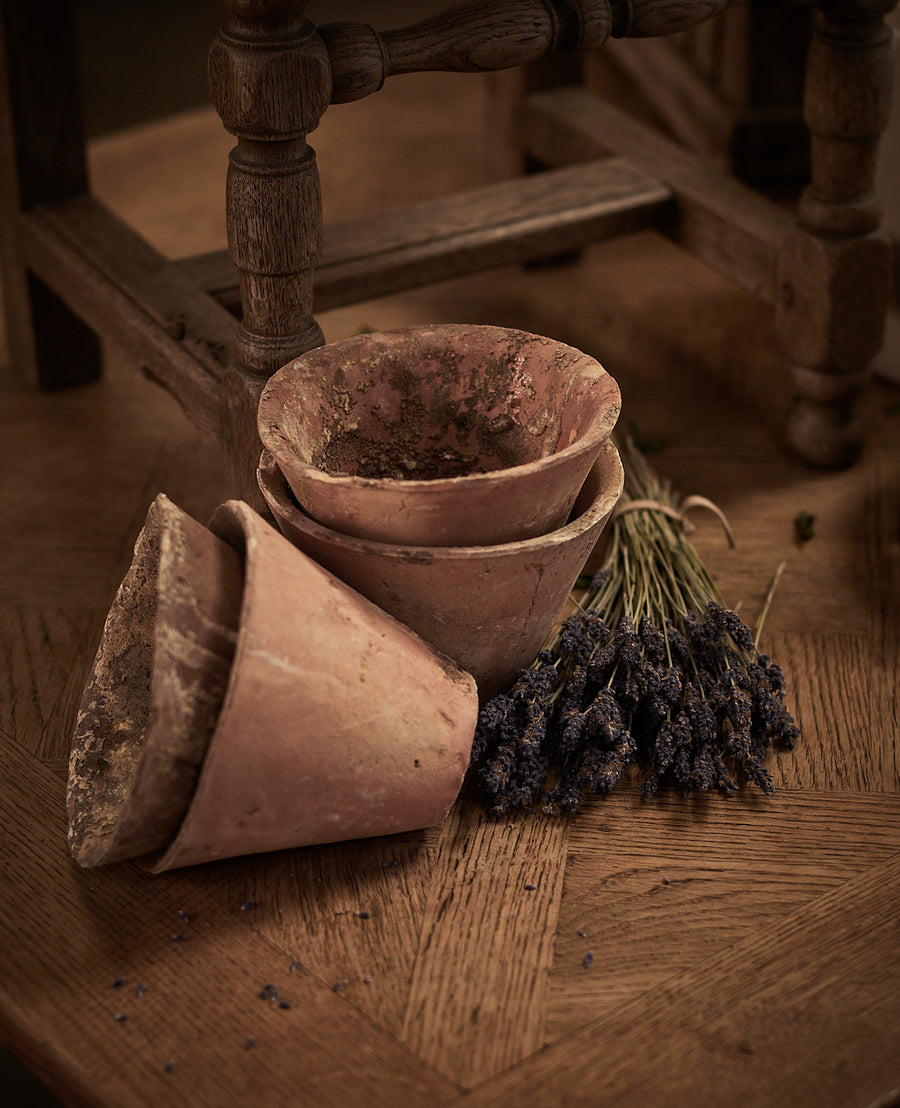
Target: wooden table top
{"type": "Point", "coordinates": [745, 950]}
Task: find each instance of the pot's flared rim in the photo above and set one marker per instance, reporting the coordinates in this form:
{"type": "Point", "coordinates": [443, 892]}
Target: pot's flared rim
{"type": "Point", "coordinates": [607, 470]}
{"type": "Point", "coordinates": [277, 444]}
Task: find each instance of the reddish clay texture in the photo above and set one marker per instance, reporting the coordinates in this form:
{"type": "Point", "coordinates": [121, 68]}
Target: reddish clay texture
{"type": "Point", "coordinates": [243, 699]}
{"type": "Point", "coordinates": [155, 690]}
{"type": "Point", "coordinates": [338, 722]}
{"type": "Point", "coordinates": [450, 435]}
{"type": "Point", "coordinates": [489, 608]}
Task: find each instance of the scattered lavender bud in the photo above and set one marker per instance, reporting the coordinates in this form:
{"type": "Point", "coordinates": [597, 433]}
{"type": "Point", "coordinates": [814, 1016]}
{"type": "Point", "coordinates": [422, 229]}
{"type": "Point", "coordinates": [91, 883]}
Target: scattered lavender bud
{"type": "Point", "coordinates": [588, 959]}
{"type": "Point", "coordinates": [367, 980]}
{"type": "Point", "coordinates": [170, 1065]}
{"type": "Point", "coordinates": [183, 916]}
{"type": "Point", "coordinates": [140, 990]}
{"type": "Point", "coordinates": [295, 965]}
{"type": "Point", "coordinates": [269, 992]}
{"type": "Point", "coordinates": [248, 905]}
{"type": "Point", "coordinates": [364, 915]}
{"type": "Point", "coordinates": [251, 1042]}
{"type": "Point", "coordinates": [285, 1004]}
{"type": "Point", "coordinates": [531, 888]}
{"type": "Point", "coordinates": [121, 1017]}
{"type": "Point", "coordinates": [390, 863]}
{"type": "Point", "coordinates": [665, 880]}
{"type": "Point", "coordinates": [179, 938]}
{"type": "Point", "coordinates": [804, 526]}
{"type": "Point", "coordinates": [117, 983]}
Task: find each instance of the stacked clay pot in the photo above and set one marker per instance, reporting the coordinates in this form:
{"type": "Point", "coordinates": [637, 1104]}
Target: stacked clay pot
{"type": "Point", "coordinates": [456, 475]}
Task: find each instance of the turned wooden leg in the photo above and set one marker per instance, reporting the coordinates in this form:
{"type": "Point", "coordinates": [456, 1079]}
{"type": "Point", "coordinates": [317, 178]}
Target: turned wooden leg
{"type": "Point", "coordinates": [835, 270]}
{"type": "Point", "coordinates": [42, 160]}
{"type": "Point", "coordinates": [270, 80]}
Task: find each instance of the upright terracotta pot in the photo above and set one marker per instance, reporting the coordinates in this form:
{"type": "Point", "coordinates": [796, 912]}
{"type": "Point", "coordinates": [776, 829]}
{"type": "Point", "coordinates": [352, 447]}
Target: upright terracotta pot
{"type": "Point", "coordinates": [449, 435]}
{"type": "Point", "coordinates": [490, 608]}
{"type": "Point", "coordinates": [337, 722]}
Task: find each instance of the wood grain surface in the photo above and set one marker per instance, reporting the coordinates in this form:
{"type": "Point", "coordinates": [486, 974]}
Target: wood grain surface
{"type": "Point", "coordinates": [501, 223]}
{"type": "Point", "coordinates": [743, 950]}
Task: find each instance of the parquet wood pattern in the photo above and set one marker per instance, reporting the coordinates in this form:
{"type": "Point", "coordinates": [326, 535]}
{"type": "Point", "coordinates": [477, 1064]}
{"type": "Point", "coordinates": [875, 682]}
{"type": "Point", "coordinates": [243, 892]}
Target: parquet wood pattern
{"type": "Point", "coordinates": [202, 991]}
{"type": "Point", "coordinates": [809, 1018]}
{"type": "Point", "coordinates": [649, 906]}
{"type": "Point", "coordinates": [493, 902]}
{"type": "Point", "coordinates": [353, 917]}
{"type": "Point", "coordinates": [744, 950]}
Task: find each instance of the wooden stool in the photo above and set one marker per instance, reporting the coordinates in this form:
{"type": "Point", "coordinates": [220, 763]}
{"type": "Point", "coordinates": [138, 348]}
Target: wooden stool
{"type": "Point", "coordinates": [71, 270]}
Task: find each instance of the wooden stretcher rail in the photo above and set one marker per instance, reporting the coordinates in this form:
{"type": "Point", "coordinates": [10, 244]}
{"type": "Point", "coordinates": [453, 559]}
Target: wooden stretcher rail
{"type": "Point", "coordinates": [120, 285]}
{"type": "Point", "coordinates": [733, 229]}
{"type": "Point", "coordinates": [489, 227]}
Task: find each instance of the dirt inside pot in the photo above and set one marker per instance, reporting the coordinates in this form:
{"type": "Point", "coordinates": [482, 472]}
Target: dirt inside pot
{"type": "Point", "coordinates": [351, 454]}
{"type": "Point", "coordinates": [430, 415]}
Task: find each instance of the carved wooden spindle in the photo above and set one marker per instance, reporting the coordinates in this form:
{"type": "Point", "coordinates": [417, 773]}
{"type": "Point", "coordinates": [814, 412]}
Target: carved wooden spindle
{"type": "Point", "coordinates": [644, 18]}
{"type": "Point", "coordinates": [835, 271]}
{"type": "Point", "coordinates": [479, 37]}
{"type": "Point", "coordinates": [270, 82]}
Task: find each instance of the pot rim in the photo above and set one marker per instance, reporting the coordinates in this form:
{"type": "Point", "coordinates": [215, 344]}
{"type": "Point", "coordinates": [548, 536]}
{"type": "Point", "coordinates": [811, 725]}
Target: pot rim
{"type": "Point", "coordinates": [272, 436]}
{"type": "Point", "coordinates": [602, 504]}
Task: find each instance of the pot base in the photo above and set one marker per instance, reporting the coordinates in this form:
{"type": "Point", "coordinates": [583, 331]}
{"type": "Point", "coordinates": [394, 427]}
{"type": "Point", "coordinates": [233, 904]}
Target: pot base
{"type": "Point", "coordinates": [155, 691]}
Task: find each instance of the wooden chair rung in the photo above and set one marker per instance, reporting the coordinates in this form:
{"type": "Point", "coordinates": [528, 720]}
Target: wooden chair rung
{"type": "Point", "coordinates": [496, 225]}
{"type": "Point", "coordinates": [120, 285]}
{"type": "Point", "coordinates": [730, 226]}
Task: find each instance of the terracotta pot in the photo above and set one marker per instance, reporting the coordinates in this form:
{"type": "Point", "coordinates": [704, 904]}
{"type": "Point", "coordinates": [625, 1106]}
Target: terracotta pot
{"type": "Point", "coordinates": [489, 608]}
{"type": "Point", "coordinates": [337, 722]}
{"type": "Point", "coordinates": [453, 435]}
{"type": "Point", "coordinates": [155, 690]}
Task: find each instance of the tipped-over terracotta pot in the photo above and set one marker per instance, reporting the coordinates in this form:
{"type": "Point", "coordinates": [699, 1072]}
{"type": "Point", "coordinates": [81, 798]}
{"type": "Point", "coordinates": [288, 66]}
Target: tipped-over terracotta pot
{"type": "Point", "coordinates": [490, 608]}
{"type": "Point", "coordinates": [334, 721]}
{"type": "Point", "coordinates": [452, 435]}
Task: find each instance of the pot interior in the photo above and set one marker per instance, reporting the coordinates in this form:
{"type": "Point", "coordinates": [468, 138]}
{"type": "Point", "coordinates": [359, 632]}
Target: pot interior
{"type": "Point", "coordinates": [437, 403]}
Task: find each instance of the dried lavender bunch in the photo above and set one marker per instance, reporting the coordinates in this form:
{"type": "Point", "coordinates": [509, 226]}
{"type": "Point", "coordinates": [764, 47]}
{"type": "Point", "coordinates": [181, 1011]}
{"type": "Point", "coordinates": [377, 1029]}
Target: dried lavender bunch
{"type": "Point", "coordinates": [652, 671]}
